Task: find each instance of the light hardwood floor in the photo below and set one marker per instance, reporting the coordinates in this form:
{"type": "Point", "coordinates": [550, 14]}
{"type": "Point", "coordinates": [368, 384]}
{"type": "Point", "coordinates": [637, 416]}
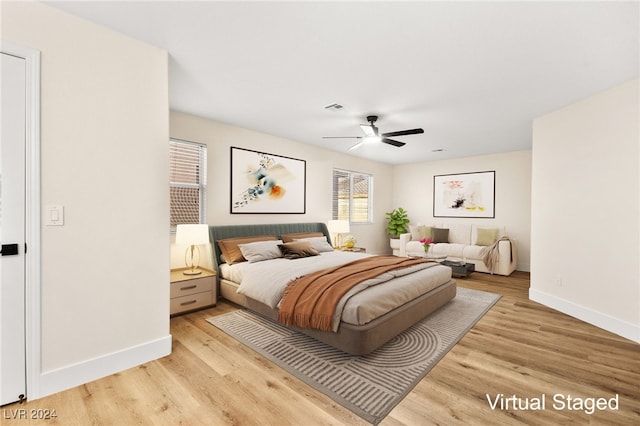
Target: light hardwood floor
{"type": "Point", "coordinates": [518, 348]}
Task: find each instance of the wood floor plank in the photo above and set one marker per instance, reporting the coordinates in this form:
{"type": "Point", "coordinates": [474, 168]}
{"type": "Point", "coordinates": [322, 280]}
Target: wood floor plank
{"type": "Point", "coordinates": [518, 348]}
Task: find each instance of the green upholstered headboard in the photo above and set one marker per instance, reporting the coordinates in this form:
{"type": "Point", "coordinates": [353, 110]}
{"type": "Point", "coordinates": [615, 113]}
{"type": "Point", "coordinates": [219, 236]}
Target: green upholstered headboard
{"type": "Point", "coordinates": [230, 231]}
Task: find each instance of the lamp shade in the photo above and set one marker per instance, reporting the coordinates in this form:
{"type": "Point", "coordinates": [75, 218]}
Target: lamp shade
{"type": "Point", "coordinates": [338, 226]}
{"type": "Point", "coordinates": [192, 234]}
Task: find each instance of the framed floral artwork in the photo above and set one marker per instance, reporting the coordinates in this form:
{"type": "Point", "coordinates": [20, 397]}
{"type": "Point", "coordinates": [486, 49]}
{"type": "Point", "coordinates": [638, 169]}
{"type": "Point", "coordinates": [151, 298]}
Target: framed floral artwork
{"type": "Point", "coordinates": [267, 183]}
{"type": "Point", "coordinates": [464, 195]}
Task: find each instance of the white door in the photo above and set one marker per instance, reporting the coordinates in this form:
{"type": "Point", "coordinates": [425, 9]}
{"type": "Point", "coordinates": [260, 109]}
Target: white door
{"type": "Point", "coordinates": [12, 229]}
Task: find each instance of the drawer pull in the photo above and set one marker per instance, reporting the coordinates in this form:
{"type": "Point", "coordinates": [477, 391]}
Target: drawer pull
{"type": "Point", "coordinates": [188, 287]}
{"type": "Point", "coordinates": [191, 302]}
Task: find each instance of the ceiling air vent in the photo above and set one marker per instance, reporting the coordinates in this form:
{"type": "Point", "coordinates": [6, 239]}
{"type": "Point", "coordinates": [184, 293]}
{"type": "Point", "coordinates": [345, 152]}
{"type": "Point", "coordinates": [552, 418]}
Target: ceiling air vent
{"type": "Point", "coordinates": [334, 107]}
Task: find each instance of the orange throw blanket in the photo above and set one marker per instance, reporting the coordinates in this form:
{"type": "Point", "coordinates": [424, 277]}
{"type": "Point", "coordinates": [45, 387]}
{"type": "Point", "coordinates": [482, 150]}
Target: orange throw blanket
{"type": "Point", "coordinates": [310, 301]}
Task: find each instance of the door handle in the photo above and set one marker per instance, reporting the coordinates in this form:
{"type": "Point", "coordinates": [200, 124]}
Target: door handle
{"type": "Point", "coordinates": [9, 249]}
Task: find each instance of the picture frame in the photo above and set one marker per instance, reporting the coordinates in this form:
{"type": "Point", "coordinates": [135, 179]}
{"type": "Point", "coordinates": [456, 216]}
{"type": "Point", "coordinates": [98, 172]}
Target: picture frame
{"type": "Point", "coordinates": [264, 183]}
{"type": "Point", "coordinates": [468, 195]}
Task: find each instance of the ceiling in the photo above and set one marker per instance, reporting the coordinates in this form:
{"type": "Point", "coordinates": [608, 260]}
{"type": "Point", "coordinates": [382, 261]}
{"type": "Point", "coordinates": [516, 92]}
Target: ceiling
{"type": "Point", "coordinates": [473, 75]}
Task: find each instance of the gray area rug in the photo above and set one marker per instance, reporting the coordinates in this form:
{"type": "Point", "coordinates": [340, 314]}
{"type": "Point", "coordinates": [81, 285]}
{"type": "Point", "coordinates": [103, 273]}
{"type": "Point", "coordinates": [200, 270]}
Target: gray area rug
{"type": "Point", "coordinates": [369, 385]}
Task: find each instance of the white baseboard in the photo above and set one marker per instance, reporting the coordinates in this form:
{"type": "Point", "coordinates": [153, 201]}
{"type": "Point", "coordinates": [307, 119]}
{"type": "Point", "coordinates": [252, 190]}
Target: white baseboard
{"type": "Point", "coordinates": [606, 322]}
{"type": "Point", "coordinates": [84, 372]}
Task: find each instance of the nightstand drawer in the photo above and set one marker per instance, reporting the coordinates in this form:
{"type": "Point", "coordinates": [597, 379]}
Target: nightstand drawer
{"type": "Point", "coordinates": [192, 301]}
{"type": "Point", "coordinates": [197, 285]}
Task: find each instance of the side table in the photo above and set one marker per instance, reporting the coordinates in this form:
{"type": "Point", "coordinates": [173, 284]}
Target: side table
{"type": "Point", "coordinates": [191, 292]}
{"type": "Point", "coordinates": [460, 269]}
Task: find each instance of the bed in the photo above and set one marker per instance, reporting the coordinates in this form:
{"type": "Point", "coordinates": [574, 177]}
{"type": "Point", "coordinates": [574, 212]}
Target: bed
{"type": "Point", "coordinates": [372, 316]}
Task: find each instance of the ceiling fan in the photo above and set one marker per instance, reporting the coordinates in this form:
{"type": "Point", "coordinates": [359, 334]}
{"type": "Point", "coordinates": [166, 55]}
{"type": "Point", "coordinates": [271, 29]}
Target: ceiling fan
{"type": "Point", "coordinates": [371, 134]}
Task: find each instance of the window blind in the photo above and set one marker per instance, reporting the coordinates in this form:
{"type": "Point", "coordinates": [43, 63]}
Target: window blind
{"type": "Point", "coordinates": [187, 181]}
{"type": "Point", "coordinates": [352, 196]}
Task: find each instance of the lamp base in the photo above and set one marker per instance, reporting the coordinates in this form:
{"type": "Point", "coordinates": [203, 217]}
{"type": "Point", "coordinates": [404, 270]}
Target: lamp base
{"type": "Point", "coordinates": [192, 262]}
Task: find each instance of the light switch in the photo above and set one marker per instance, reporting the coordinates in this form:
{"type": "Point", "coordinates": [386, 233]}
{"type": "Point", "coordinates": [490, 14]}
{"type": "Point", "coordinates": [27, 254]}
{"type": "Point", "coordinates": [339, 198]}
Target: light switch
{"type": "Point", "coordinates": [54, 215]}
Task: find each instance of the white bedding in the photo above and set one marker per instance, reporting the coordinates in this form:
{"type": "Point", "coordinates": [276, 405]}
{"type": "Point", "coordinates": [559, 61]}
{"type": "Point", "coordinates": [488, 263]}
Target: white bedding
{"type": "Point", "coordinates": [265, 282]}
{"type": "Point", "coordinates": [251, 276]}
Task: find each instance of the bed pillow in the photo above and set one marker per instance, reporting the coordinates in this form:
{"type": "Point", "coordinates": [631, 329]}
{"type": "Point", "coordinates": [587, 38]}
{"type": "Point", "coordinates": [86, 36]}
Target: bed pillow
{"type": "Point", "coordinates": [319, 243]}
{"type": "Point", "coordinates": [297, 250]}
{"type": "Point", "coordinates": [440, 235]}
{"type": "Point", "coordinates": [231, 251]}
{"type": "Point", "coordinates": [261, 250]}
{"type": "Point", "coordinates": [288, 238]}
{"type": "Point", "coordinates": [487, 236]}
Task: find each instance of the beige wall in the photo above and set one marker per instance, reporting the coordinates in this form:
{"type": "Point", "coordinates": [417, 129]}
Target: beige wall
{"type": "Point", "coordinates": [585, 218]}
{"type": "Point", "coordinates": [104, 132]}
{"type": "Point", "coordinates": [394, 185]}
{"type": "Point", "coordinates": [220, 137]}
{"type": "Point", "coordinates": [413, 191]}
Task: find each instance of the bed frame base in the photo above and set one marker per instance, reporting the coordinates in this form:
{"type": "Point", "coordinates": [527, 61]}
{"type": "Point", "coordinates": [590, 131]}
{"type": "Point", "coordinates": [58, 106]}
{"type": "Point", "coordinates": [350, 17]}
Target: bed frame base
{"type": "Point", "coordinates": [359, 339]}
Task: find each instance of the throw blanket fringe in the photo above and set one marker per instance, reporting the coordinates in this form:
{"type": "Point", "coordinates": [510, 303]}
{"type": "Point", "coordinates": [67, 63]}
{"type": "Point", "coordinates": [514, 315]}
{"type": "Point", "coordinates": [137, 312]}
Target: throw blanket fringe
{"type": "Point", "coordinates": [491, 254]}
{"type": "Point", "coordinates": [310, 301]}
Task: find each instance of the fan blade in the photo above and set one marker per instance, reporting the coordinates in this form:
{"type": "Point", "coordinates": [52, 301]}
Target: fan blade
{"type": "Point", "coordinates": [369, 130]}
{"type": "Point", "coordinates": [342, 137]}
{"type": "Point", "coordinates": [394, 143]}
{"type": "Point", "coordinates": [356, 145]}
{"type": "Point", "coordinates": [404, 132]}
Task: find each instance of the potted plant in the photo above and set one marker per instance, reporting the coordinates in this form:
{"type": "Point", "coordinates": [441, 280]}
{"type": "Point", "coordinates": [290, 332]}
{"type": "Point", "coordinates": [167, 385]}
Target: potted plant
{"type": "Point", "coordinates": [398, 224]}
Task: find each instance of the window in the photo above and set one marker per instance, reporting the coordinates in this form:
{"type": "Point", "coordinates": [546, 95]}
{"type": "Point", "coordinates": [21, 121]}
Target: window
{"type": "Point", "coordinates": [187, 182]}
{"type": "Point", "coordinates": [352, 196]}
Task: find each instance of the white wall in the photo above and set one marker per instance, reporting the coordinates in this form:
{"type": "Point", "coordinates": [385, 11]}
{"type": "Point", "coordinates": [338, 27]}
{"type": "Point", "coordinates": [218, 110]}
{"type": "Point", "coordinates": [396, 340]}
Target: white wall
{"type": "Point", "coordinates": [104, 157]}
{"type": "Point", "coordinates": [585, 219]}
{"type": "Point", "coordinates": [413, 191]}
{"type": "Point", "coordinates": [220, 137]}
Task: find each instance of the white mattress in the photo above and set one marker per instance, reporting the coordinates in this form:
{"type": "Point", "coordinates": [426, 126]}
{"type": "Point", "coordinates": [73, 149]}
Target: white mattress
{"type": "Point", "coordinates": [265, 281]}
{"type": "Point", "coordinates": [281, 270]}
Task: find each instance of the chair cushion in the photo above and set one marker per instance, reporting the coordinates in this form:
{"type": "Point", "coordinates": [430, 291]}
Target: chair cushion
{"type": "Point", "coordinates": [473, 252]}
{"type": "Point", "coordinates": [475, 228]}
{"type": "Point", "coordinates": [459, 233]}
{"type": "Point", "coordinates": [487, 236]}
{"type": "Point", "coordinates": [440, 235]}
{"type": "Point", "coordinates": [414, 248]}
{"type": "Point", "coordinates": [449, 250]}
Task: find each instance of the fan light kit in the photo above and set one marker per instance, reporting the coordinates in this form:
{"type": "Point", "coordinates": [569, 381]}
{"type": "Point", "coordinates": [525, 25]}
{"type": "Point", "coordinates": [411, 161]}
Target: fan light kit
{"type": "Point", "coordinates": [371, 134]}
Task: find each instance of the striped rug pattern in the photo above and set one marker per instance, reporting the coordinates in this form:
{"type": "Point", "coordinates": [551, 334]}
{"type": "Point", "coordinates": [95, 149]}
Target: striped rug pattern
{"type": "Point", "coordinates": [369, 385]}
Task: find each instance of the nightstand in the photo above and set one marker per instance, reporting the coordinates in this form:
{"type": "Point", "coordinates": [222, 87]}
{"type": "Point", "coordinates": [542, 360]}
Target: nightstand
{"type": "Point", "coordinates": [191, 292]}
{"type": "Point", "coordinates": [354, 249]}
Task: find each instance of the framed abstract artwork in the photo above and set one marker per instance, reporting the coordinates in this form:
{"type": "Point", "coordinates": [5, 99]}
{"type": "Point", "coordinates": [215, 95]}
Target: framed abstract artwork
{"type": "Point", "coordinates": [464, 195]}
{"type": "Point", "coordinates": [267, 183]}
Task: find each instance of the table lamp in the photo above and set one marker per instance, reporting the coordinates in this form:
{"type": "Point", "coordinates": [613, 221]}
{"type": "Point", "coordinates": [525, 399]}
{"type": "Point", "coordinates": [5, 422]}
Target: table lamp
{"type": "Point", "coordinates": [192, 235]}
{"type": "Point", "coordinates": [337, 228]}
